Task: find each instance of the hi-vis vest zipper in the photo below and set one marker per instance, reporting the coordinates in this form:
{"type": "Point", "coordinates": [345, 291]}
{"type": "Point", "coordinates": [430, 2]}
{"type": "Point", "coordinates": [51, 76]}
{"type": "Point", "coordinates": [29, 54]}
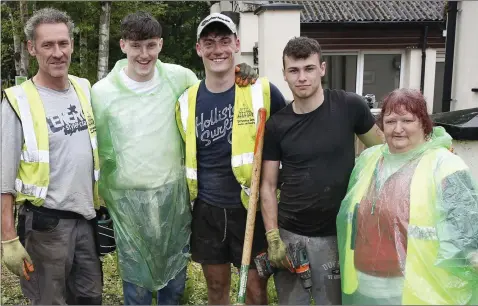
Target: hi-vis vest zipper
{"type": "Point", "coordinates": [33, 176]}
{"type": "Point", "coordinates": [248, 101]}
{"type": "Point", "coordinates": [422, 277]}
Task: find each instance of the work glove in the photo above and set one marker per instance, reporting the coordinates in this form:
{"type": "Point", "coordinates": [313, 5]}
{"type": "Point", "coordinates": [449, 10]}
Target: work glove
{"type": "Point", "coordinates": [277, 250]}
{"type": "Point", "coordinates": [245, 75]}
{"type": "Point", "coordinates": [16, 258]}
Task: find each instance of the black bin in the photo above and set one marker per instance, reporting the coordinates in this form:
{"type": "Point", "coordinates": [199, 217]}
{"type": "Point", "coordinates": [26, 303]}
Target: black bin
{"type": "Point", "coordinates": [460, 124]}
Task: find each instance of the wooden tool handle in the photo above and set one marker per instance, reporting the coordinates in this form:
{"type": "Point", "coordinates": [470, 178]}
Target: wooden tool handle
{"type": "Point", "coordinates": [252, 207]}
{"type": "Point", "coordinates": [255, 184]}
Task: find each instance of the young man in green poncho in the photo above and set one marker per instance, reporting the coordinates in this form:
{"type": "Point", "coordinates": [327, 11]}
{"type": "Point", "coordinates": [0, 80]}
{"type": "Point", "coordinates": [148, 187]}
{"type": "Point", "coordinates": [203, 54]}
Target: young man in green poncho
{"type": "Point", "coordinates": [141, 154]}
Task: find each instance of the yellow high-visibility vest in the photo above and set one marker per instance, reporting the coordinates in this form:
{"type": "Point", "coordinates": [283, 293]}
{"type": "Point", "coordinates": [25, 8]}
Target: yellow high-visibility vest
{"type": "Point", "coordinates": [248, 101]}
{"type": "Point", "coordinates": [33, 176]}
{"type": "Point", "coordinates": [424, 282]}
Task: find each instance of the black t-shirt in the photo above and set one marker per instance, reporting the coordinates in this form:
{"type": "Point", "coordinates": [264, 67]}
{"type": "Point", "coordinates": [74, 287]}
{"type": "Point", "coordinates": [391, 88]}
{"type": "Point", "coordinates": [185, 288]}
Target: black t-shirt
{"type": "Point", "coordinates": [317, 154]}
{"type": "Point", "coordinates": [217, 184]}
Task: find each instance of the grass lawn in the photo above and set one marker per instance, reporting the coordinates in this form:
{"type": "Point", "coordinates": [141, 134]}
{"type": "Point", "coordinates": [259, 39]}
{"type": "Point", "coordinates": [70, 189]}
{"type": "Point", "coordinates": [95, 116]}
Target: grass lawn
{"type": "Point", "coordinates": [194, 294]}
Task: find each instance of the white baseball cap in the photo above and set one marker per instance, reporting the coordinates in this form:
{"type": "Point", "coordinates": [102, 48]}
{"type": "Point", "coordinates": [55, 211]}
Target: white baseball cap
{"type": "Point", "coordinates": [216, 17]}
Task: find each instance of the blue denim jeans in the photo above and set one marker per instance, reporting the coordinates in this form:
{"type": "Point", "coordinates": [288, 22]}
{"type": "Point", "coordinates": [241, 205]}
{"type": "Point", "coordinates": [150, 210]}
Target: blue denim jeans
{"type": "Point", "coordinates": [169, 295]}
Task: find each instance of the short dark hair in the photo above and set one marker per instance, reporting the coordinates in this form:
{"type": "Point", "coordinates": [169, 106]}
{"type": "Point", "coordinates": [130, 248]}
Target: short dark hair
{"type": "Point", "coordinates": [218, 28]}
{"type": "Point", "coordinates": [301, 48]}
{"type": "Point", "coordinates": [140, 26]}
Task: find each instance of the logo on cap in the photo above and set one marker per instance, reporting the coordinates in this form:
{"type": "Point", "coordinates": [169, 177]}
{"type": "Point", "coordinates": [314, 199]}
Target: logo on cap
{"type": "Point", "coordinates": [206, 21]}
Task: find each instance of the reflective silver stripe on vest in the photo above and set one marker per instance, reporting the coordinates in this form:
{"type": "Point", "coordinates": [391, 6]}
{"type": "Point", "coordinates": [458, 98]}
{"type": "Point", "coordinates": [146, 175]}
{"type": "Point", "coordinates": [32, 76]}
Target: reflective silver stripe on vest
{"type": "Point", "coordinates": [32, 152]}
{"type": "Point", "coordinates": [94, 143]}
{"type": "Point", "coordinates": [32, 190]}
{"type": "Point", "coordinates": [184, 109]}
{"type": "Point", "coordinates": [97, 175]}
{"type": "Point", "coordinates": [422, 232]}
{"type": "Point", "coordinates": [257, 98]}
{"type": "Point", "coordinates": [246, 189]}
{"type": "Point", "coordinates": [242, 159]}
{"type": "Point", "coordinates": [35, 156]}
{"type": "Point", "coordinates": [191, 174]}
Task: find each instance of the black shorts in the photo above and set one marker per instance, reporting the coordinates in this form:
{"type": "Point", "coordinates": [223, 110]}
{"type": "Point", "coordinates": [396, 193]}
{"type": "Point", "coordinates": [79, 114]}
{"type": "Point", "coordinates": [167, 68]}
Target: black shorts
{"type": "Point", "coordinates": [218, 235]}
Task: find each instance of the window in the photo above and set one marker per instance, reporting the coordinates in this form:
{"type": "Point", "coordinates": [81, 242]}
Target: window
{"type": "Point", "coordinates": [364, 72]}
{"type": "Point", "coordinates": [381, 74]}
{"type": "Point", "coordinates": [340, 72]}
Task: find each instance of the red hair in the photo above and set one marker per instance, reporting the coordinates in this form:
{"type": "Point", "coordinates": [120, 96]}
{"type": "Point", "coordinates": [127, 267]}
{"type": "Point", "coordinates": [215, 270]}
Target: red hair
{"type": "Point", "coordinates": [409, 100]}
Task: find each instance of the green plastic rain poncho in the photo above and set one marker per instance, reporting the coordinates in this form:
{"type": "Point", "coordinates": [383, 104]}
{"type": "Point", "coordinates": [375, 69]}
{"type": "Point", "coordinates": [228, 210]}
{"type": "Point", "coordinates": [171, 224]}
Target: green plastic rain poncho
{"type": "Point", "coordinates": [142, 176]}
{"type": "Point", "coordinates": [407, 228]}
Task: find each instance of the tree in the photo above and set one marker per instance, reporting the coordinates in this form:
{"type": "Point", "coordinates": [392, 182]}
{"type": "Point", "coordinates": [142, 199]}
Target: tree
{"type": "Point", "coordinates": [17, 43]}
{"type": "Point", "coordinates": [179, 20]}
{"type": "Point", "coordinates": [7, 53]}
{"type": "Point", "coordinates": [104, 38]}
{"type": "Point", "coordinates": [24, 55]}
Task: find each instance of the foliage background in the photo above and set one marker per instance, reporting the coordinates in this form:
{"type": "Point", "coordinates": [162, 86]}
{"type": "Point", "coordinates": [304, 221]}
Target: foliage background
{"type": "Point", "coordinates": [179, 20]}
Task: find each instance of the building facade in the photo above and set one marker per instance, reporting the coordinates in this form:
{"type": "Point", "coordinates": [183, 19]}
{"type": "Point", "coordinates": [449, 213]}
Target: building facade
{"type": "Point", "coordinates": [370, 47]}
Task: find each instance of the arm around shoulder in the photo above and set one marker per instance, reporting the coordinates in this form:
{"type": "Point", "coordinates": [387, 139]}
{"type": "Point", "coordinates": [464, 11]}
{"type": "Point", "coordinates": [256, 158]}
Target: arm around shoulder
{"type": "Point", "coordinates": [191, 78]}
{"type": "Point", "coordinates": [363, 121]}
{"type": "Point", "coordinates": [373, 137]}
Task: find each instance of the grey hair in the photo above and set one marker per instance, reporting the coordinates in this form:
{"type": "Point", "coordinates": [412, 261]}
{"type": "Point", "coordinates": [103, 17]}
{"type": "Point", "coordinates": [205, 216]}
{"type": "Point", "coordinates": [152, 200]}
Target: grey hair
{"type": "Point", "coordinates": [47, 15]}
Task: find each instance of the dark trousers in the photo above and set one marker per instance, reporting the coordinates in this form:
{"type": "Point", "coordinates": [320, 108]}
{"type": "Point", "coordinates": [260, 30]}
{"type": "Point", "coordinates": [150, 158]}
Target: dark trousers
{"type": "Point", "coordinates": [64, 255]}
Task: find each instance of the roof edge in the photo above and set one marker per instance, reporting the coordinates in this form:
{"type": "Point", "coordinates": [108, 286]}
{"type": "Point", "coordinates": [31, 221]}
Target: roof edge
{"type": "Point", "coordinates": [371, 22]}
{"type": "Point", "coordinates": [278, 7]}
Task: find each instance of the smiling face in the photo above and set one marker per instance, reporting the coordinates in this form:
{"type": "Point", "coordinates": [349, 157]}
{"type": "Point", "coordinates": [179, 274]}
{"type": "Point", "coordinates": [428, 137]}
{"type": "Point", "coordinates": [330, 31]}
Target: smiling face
{"type": "Point", "coordinates": [403, 131]}
{"type": "Point", "coordinates": [52, 48]}
{"type": "Point", "coordinates": [217, 51]}
{"type": "Point", "coordinates": [142, 56]}
{"type": "Point", "coordinates": [304, 75]}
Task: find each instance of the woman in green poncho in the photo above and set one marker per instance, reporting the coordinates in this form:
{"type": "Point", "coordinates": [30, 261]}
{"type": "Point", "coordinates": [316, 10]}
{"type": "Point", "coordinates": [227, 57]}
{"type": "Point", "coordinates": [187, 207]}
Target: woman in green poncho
{"type": "Point", "coordinates": [406, 229]}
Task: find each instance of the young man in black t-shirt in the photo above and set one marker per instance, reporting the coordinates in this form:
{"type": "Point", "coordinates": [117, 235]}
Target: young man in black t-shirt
{"type": "Point", "coordinates": [313, 139]}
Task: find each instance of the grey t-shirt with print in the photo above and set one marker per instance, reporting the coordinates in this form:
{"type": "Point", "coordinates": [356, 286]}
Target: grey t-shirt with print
{"type": "Point", "coordinates": [71, 155]}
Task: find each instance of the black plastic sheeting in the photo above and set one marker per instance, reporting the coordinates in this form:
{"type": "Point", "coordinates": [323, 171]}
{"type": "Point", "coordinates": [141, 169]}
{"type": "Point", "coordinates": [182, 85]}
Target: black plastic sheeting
{"type": "Point", "coordinates": [461, 124]}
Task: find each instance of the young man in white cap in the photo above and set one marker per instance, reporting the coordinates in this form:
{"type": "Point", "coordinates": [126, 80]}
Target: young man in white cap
{"type": "Point", "coordinates": [217, 120]}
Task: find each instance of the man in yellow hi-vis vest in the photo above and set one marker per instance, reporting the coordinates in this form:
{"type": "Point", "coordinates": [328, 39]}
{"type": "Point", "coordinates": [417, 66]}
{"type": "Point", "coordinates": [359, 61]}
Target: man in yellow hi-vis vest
{"type": "Point", "coordinates": [217, 120]}
{"type": "Point", "coordinates": [50, 165]}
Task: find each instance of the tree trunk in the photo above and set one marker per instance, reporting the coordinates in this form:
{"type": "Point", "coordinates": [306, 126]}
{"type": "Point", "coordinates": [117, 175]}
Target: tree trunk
{"type": "Point", "coordinates": [17, 43]}
{"type": "Point", "coordinates": [24, 55]}
{"type": "Point", "coordinates": [104, 39]}
{"type": "Point", "coordinates": [83, 53]}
